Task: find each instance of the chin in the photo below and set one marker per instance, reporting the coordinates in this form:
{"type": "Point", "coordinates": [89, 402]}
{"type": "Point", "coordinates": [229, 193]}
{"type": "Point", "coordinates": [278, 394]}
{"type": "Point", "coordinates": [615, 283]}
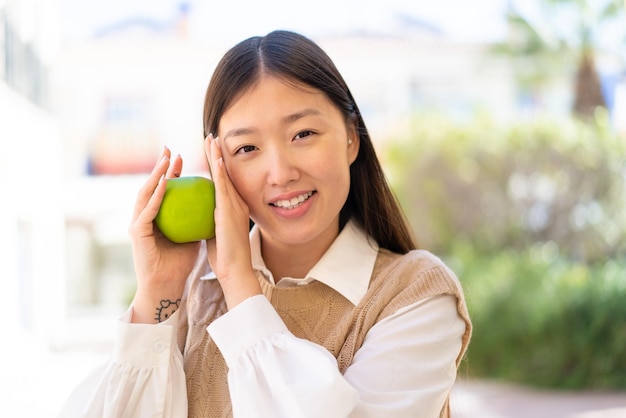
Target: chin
{"type": "Point", "coordinates": [302, 233]}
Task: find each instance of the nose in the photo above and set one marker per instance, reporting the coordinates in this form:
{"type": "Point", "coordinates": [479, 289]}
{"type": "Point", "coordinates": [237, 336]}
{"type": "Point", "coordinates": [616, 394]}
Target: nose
{"type": "Point", "coordinates": [281, 167]}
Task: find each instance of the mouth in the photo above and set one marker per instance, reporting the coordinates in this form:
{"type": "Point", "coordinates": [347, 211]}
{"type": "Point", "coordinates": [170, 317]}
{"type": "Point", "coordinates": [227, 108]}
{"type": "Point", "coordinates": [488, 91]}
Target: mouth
{"type": "Point", "coordinates": [292, 203]}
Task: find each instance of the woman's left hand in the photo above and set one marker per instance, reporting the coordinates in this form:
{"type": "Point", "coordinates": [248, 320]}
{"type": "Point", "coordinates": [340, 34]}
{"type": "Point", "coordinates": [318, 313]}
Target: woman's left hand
{"type": "Point", "coordinates": [229, 252]}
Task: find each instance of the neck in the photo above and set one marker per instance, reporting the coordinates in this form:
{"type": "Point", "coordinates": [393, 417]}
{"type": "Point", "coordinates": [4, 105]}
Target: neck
{"type": "Point", "coordinates": [294, 260]}
{"type": "Point", "coordinates": [289, 262]}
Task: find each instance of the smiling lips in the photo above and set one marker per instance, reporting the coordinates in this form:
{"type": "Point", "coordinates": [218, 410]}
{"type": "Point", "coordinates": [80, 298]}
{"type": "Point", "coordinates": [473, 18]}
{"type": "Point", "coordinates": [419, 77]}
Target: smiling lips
{"type": "Point", "coordinates": [294, 202]}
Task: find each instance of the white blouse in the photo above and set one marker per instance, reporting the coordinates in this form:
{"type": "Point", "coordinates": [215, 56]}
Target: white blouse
{"type": "Point", "coordinates": [405, 367]}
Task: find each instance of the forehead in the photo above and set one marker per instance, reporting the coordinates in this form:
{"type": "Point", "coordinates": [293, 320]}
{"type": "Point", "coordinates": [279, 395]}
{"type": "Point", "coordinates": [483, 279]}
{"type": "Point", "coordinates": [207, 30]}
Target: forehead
{"type": "Point", "coordinates": [268, 85]}
{"type": "Point", "coordinates": [272, 95]}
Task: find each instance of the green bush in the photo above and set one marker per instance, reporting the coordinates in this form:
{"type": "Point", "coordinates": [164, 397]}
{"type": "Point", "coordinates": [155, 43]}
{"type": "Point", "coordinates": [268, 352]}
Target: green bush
{"type": "Point", "coordinates": [543, 320]}
{"type": "Point", "coordinates": [509, 187]}
{"type": "Point", "coordinates": [532, 218]}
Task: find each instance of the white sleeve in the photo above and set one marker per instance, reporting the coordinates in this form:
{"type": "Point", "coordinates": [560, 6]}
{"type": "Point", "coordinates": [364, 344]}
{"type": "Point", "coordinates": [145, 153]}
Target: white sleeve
{"type": "Point", "coordinates": [274, 374]}
{"type": "Point", "coordinates": [405, 368]}
{"type": "Point", "coordinates": [407, 364]}
{"type": "Point", "coordinates": [144, 377]}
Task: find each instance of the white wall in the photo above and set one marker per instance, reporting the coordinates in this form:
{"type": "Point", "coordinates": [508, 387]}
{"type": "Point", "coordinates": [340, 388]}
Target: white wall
{"type": "Point", "coordinates": [31, 219]}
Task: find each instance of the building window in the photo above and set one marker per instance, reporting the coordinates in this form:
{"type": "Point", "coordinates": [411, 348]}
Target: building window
{"type": "Point", "coordinates": [126, 142]}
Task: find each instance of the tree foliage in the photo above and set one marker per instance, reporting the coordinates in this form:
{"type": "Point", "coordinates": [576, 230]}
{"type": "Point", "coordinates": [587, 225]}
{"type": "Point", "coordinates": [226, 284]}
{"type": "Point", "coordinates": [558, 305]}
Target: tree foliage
{"type": "Point", "coordinates": [565, 39]}
{"type": "Point", "coordinates": [511, 186]}
{"type": "Point", "coordinates": [531, 217]}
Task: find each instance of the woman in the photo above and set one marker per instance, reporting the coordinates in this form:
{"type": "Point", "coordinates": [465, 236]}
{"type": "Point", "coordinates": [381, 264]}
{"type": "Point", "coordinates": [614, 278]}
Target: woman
{"type": "Point", "coordinates": [324, 308]}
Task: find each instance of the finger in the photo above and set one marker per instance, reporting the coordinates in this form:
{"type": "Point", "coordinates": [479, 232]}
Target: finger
{"type": "Point", "coordinates": [207, 151]}
{"type": "Point", "coordinates": [225, 181]}
{"type": "Point", "coordinates": [176, 167]}
{"type": "Point", "coordinates": [226, 193]}
{"type": "Point", "coordinates": [154, 203]}
{"type": "Point", "coordinates": [142, 226]}
{"type": "Point", "coordinates": [153, 179]}
{"type": "Point", "coordinates": [218, 170]}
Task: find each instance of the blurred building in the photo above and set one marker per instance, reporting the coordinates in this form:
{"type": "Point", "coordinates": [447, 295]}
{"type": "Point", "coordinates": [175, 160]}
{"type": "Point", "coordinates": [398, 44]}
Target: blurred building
{"type": "Point", "coordinates": [132, 87]}
{"type": "Point", "coordinates": [137, 84]}
{"type": "Point", "coordinates": [416, 70]}
{"type": "Point", "coordinates": [31, 213]}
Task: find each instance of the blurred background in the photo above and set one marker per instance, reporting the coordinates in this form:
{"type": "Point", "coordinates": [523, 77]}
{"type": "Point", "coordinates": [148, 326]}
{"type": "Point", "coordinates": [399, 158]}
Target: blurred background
{"type": "Point", "coordinates": [501, 125]}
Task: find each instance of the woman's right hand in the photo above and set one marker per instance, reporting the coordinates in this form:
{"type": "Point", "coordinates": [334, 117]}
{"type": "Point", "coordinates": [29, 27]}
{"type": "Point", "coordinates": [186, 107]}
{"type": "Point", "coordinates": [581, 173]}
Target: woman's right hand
{"type": "Point", "coordinates": [161, 266]}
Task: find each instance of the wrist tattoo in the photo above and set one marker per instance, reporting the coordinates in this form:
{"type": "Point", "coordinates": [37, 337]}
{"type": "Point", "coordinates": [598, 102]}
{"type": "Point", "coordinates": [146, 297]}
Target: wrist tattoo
{"type": "Point", "coordinates": [166, 309]}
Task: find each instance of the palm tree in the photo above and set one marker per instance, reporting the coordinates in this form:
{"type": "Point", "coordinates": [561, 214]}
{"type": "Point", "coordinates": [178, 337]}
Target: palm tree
{"type": "Point", "coordinates": [567, 34]}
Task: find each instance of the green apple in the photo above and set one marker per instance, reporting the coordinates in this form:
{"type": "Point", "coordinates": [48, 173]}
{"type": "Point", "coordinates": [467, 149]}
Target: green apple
{"type": "Point", "coordinates": [186, 213]}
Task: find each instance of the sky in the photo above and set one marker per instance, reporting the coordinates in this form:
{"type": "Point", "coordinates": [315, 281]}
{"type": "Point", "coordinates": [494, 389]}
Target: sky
{"type": "Point", "coordinates": [474, 20]}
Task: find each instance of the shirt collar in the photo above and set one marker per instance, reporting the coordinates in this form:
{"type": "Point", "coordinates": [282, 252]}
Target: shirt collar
{"type": "Point", "coordinates": [346, 266]}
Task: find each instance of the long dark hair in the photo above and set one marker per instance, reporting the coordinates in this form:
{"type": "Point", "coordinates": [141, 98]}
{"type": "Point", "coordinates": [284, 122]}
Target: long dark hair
{"type": "Point", "coordinates": [295, 58]}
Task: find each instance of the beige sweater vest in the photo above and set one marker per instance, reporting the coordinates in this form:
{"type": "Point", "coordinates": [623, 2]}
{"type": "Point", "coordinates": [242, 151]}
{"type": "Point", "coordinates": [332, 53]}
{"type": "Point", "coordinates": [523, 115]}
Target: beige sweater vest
{"type": "Point", "coordinates": [314, 312]}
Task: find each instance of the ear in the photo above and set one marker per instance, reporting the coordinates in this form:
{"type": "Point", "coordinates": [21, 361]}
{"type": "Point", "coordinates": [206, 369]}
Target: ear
{"type": "Point", "coordinates": [353, 143]}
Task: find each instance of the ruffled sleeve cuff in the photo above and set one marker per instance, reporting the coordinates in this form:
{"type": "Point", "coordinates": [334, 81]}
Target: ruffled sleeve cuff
{"type": "Point", "coordinates": [145, 345]}
{"type": "Point", "coordinates": [249, 322]}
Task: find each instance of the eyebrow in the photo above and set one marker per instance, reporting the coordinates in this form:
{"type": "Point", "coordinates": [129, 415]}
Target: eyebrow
{"type": "Point", "coordinates": [237, 132]}
{"type": "Point", "coordinates": [286, 120]}
{"type": "Point", "coordinates": [299, 115]}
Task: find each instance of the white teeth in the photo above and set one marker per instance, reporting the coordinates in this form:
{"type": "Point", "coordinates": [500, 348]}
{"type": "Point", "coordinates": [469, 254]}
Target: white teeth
{"type": "Point", "coordinates": [293, 202]}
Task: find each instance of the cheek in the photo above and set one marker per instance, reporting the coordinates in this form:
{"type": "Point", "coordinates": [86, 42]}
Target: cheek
{"type": "Point", "coordinates": [335, 170]}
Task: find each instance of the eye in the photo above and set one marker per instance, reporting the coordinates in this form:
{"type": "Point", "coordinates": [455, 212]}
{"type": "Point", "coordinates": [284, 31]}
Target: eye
{"type": "Point", "coordinates": [303, 134]}
{"type": "Point", "coordinates": [245, 149]}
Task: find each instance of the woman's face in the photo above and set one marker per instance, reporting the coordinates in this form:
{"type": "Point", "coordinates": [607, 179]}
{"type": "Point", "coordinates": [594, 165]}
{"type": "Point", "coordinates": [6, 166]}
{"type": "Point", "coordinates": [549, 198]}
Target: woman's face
{"type": "Point", "coordinates": [288, 151]}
